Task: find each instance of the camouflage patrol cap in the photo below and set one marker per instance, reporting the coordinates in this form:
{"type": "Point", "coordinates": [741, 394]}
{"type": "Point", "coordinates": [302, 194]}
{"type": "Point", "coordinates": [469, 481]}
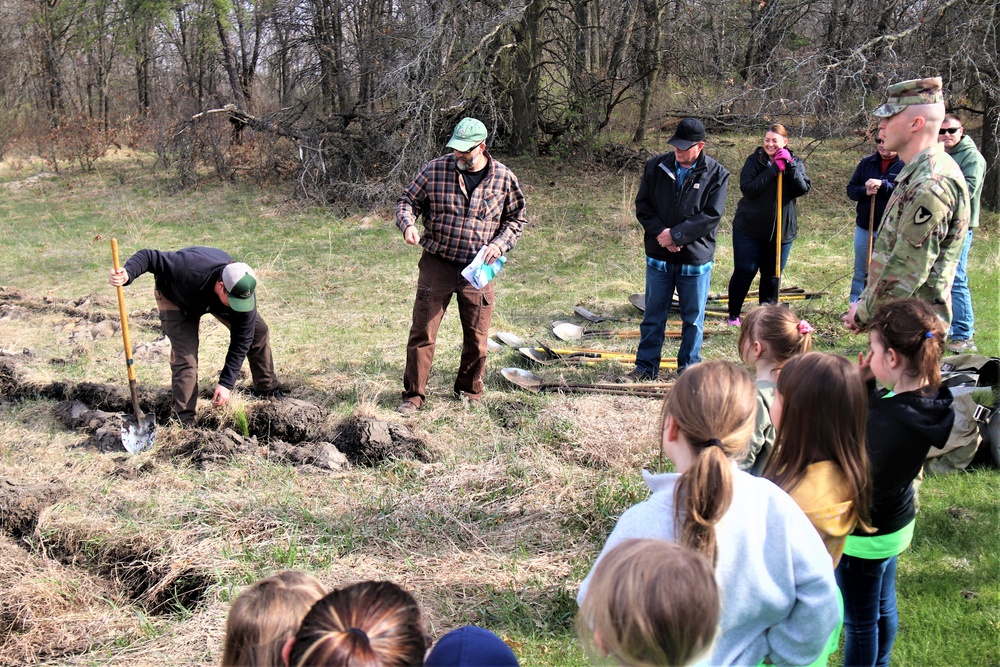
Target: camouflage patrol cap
{"type": "Point", "coordinates": [905, 93]}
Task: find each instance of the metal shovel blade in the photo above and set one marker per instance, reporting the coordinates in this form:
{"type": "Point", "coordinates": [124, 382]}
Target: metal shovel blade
{"type": "Point", "coordinates": [522, 378]}
{"type": "Point", "coordinates": [567, 331]}
{"type": "Point", "coordinates": [510, 339]}
{"type": "Point", "coordinates": [138, 434]}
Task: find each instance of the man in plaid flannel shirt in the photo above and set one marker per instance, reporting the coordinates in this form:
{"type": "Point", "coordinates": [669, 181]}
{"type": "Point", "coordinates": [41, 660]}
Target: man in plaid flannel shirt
{"type": "Point", "coordinates": [467, 200]}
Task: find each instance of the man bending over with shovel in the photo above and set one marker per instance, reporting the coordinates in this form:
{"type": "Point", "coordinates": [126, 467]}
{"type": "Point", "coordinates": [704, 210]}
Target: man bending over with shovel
{"type": "Point", "coordinates": [190, 283]}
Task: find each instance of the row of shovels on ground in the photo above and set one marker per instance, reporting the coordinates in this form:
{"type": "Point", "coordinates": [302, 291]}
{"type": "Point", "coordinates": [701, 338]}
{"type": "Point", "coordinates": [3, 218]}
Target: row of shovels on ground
{"type": "Point", "coordinates": [567, 331]}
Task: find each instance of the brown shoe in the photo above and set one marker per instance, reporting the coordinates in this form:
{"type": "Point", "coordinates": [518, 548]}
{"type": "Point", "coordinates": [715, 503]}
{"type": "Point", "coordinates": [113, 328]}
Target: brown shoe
{"type": "Point", "coordinates": [407, 408]}
{"type": "Point", "coordinates": [638, 376]}
{"type": "Point", "coordinates": [962, 346]}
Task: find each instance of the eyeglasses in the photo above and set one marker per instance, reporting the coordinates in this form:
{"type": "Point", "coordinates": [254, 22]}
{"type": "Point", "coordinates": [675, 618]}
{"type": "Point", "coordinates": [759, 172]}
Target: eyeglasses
{"type": "Point", "coordinates": [879, 142]}
{"type": "Point", "coordinates": [949, 130]}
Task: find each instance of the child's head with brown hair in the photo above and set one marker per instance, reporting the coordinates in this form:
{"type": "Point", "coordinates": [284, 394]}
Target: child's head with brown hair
{"type": "Point", "coordinates": [368, 624]}
{"type": "Point", "coordinates": [265, 616]}
{"type": "Point", "coordinates": [820, 412]}
{"type": "Point", "coordinates": [705, 424]}
{"type": "Point", "coordinates": [773, 334]}
{"type": "Point", "coordinates": [650, 602]}
{"type": "Point", "coordinates": [912, 337]}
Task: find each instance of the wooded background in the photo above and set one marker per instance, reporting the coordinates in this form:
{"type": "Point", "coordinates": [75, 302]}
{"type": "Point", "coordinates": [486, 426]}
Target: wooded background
{"type": "Point", "coordinates": [350, 96]}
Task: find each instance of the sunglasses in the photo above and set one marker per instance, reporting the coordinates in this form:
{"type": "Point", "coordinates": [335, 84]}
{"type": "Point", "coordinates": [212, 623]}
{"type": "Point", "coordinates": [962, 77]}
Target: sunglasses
{"type": "Point", "coordinates": [879, 142]}
{"type": "Point", "coordinates": [949, 130]}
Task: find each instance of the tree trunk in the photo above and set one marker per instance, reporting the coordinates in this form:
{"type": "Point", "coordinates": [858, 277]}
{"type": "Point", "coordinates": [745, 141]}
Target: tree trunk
{"type": "Point", "coordinates": [990, 148]}
{"type": "Point", "coordinates": [524, 92]}
{"type": "Point", "coordinates": [649, 62]}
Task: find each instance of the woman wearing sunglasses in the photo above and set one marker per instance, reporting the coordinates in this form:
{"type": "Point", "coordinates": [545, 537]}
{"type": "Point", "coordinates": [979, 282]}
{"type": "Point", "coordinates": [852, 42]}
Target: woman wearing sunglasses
{"type": "Point", "coordinates": [871, 186]}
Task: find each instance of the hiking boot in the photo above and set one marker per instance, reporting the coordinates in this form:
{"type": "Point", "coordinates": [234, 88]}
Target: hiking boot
{"type": "Point", "coordinates": [962, 346]}
{"type": "Point", "coordinates": [733, 321]}
{"type": "Point", "coordinates": [276, 394]}
{"type": "Point", "coordinates": [407, 408]}
{"type": "Point", "coordinates": [638, 376]}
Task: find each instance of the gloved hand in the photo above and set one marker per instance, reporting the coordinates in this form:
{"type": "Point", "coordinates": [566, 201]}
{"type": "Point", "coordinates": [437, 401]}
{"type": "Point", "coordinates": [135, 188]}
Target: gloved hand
{"type": "Point", "coordinates": [782, 158]}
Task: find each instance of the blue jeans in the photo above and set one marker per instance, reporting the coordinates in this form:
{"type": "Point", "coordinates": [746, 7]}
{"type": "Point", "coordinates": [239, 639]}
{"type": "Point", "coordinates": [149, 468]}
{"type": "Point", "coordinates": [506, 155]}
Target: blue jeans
{"type": "Point", "coordinates": [962, 320]}
{"type": "Point", "coordinates": [860, 262]}
{"type": "Point", "coordinates": [749, 256]}
{"type": "Point", "coordinates": [692, 293]}
{"type": "Point", "coordinates": [870, 617]}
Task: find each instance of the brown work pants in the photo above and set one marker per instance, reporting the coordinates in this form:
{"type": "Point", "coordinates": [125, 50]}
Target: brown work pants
{"type": "Point", "coordinates": [182, 331]}
{"type": "Point", "coordinates": [438, 280]}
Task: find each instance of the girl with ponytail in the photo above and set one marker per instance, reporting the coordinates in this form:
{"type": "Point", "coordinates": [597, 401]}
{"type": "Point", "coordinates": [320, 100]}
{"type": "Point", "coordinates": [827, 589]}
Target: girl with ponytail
{"type": "Point", "coordinates": [779, 598]}
{"type": "Point", "coordinates": [367, 624]}
{"type": "Point", "coordinates": [908, 416]}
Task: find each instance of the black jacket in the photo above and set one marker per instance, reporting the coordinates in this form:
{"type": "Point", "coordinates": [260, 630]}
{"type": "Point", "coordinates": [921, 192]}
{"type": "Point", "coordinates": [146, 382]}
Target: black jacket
{"type": "Point", "coordinates": [901, 430]}
{"type": "Point", "coordinates": [757, 210]}
{"type": "Point", "coordinates": [187, 278]}
{"type": "Point", "coordinates": [692, 214]}
{"type": "Point", "coordinates": [871, 167]}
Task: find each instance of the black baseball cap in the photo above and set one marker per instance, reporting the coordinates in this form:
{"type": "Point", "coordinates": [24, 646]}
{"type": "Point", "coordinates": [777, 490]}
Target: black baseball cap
{"type": "Point", "coordinates": [689, 132]}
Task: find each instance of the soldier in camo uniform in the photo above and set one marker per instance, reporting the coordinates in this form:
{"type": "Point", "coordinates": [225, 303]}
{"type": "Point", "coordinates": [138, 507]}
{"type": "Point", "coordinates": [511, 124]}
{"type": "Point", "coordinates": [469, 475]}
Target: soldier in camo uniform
{"type": "Point", "coordinates": [920, 241]}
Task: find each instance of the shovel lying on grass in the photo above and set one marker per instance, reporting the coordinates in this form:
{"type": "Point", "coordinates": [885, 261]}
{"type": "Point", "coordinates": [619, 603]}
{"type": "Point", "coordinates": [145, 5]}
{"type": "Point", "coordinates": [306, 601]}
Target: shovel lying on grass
{"type": "Point", "coordinates": [570, 331]}
{"type": "Point", "coordinates": [533, 383]}
{"type": "Point", "coordinates": [138, 430]}
{"type": "Point", "coordinates": [545, 355]}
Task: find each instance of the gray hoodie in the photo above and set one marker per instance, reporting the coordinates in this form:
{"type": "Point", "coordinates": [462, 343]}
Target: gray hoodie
{"type": "Point", "coordinates": [779, 596]}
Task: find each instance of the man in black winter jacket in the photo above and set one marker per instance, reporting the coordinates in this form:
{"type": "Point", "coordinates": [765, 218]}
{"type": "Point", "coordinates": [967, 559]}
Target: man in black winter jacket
{"type": "Point", "coordinates": [190, 283]}
{"type": "Point", "coordinates": [679, 206]}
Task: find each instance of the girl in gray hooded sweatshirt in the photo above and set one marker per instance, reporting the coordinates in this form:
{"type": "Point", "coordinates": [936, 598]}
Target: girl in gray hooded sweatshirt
{"type": "Point", "coordinates": [779, 597]}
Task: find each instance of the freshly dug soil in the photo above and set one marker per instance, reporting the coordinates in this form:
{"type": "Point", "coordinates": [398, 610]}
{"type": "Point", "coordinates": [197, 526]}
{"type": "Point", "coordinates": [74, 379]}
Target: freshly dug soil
{"type": "Point", "coordinates": [367, 441]}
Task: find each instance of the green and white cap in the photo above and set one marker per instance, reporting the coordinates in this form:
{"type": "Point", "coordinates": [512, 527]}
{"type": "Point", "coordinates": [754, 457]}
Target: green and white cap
{"type": "Point", "coordinates": [468, 134]}
{"type": "Point", "coordinates": [912, 92]}
{"type": "Point", "coordinates": [240, 283]}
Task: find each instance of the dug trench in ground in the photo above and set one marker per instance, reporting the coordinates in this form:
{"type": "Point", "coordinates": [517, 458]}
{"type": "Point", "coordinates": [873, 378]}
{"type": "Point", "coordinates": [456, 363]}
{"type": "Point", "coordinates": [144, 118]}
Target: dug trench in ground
{"type": "Point", "coordinates": [111, 567]}
{"type": "Point", "coordinates": [101, 572]}
{"type": "Point", "coordinates": [287, 429]}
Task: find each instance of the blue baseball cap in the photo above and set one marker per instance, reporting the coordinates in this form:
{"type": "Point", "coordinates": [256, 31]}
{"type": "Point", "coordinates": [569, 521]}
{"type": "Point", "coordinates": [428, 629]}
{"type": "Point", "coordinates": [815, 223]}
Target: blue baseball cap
{"type": "Point", "coordinates": [471, 646]}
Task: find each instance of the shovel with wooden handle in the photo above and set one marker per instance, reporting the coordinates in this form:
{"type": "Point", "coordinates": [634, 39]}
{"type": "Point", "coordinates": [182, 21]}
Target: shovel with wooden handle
{"type": "Point", "coordinates": [138, 430]}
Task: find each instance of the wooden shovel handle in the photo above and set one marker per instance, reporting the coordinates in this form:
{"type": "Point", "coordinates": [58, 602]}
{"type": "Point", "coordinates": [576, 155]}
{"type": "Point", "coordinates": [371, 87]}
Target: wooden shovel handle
{"type": "Point", "coordinates": [124, 316]}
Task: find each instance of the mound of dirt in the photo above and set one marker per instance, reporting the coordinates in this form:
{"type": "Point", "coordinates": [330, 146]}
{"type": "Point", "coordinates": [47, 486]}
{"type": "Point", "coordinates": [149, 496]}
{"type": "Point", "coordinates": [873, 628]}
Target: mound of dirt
{"type": "Point", "coordinates": [367, 441]}
{"type": "Point", "coordinates": [20, 504]}
{"type": "Point", "coordinates": [287, 419]}
{"type": "Point", "coordinates": [103, 428]}
{"type": "Point", "coordinates": [202, 446]}
{"type": "Point", "coordinates": [321, 455]}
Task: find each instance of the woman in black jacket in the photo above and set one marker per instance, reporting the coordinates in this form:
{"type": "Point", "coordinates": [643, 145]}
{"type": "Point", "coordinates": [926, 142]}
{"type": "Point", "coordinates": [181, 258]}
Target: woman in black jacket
{"type": "Point", "coordinates": [754, 224]}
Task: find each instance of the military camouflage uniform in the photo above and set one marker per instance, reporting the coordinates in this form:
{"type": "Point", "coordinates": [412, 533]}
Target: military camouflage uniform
{"type": "Point", "coordinates": [917, 250]}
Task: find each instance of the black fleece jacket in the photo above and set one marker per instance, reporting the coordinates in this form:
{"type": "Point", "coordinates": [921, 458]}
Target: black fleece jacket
{"type": "Point", "coordinates": [187, 278]}
{"type": "Point", "coordinates": [758, 208]}
{"type": "Point", "coordinates": [692, 214]}
{"type": "Point", "coordinates": [901, 430]}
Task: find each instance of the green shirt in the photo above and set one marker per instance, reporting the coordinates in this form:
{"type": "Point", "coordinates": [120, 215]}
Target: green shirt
{"type": "Point", "coordinates": [881, 546]}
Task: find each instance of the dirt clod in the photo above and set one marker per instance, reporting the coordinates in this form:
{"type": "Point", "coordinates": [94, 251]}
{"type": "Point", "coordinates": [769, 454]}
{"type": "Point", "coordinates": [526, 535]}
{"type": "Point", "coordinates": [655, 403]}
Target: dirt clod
{"type": "Point", "coordinates": [367, 441]}
{"type": "Point", "coordinates": [202, 447]}
{"type": "Point", "coordinates": [322, 455]}
{"type": "Point", "coordinates": [287, 419]}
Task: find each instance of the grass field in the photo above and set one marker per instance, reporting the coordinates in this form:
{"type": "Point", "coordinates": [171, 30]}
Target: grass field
{"type": "Point", "coordinates": [504, 522]}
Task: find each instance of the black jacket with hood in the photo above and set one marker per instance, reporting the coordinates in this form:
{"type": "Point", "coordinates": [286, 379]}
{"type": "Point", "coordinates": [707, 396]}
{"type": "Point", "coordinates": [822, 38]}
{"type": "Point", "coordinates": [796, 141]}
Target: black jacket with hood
{"type": "Point", "coordinates": [901, 430]}
{"type": "Point", "coordinates": [758, 208]}
{"type": "Point", "coordinates": [692, 214]}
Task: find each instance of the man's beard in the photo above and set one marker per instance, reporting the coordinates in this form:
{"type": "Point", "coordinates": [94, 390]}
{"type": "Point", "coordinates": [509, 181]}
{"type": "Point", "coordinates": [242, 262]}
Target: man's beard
{"type": "Point", "coordinates": [463, 164]}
